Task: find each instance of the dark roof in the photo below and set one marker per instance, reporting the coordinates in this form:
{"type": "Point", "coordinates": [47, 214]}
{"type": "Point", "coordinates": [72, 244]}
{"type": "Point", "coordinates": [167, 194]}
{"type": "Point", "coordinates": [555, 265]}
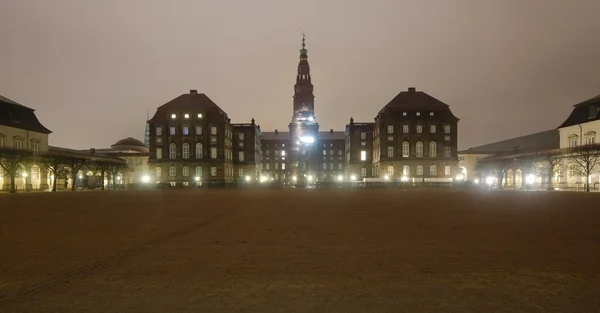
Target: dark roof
{"type": "Point", "coordinates": [332, 135]}
{"type": "Point", "coordinates": [275, 135]}
{"type": "Point", "coordinates": [583, 112]}
{"type": "Point", "coordinates": [187, 101]}
{"type": "Point", "coordinates": [16, 115]}
{"type": "Point", "coordinates": [82, 154]}
{"type": "Point", "coordinates": [413, 100]}
{"type": "Point", "coordinates": [546, 140]}
{"type": "Point", "coordinates": [129, 141]}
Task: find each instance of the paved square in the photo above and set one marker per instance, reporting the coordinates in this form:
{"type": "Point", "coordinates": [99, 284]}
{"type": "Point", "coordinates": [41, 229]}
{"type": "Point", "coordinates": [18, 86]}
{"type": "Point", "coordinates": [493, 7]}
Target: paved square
{"type": "Point", "coordinates": [300, 251]}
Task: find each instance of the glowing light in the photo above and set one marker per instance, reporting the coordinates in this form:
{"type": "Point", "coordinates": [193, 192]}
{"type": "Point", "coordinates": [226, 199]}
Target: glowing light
{"type": "Point", "coordinates": [460, 177]}
{"type": "Point", "coordinates": [386, 177]}
{"type": "Point", "coordinates": [307, 139]}
{"type": "Point", "coordinates": [24, 175]}
{"type": "Point", "coordinates": [145, 178]}
{"type": "Point", "coordinates": [81, 176]}
{"type": "Point", "coordinates": [197, 178]}
{"type": "Point", "coordinates": [353, 177]}
{"type": "Point", "coordinates": [247, 178]}
{"type": "Point", "coordinates": [262, 179]}
{"type": "Point", "coordinates": [173, 116]}
{"type": "Point", "coordinates": [118, 177]}
{"type": "Point", "coordinates": [294, 178]}
{"type": "Point", "coordinates": [199, 115]}
{"type": "Point", "coordinates": [530, 179]}
{"type": "Point", "coordinates": [310, 178]}
{"type": "Point", "coordinates": [489, 180]}
{"type": "Point", "coordinates": [311, 118]}
{"type": "Point", "coordinates": [404, 178]}
{"type": "Point", "coordinates": [340, 177]}
{"type": "Point", "coordinates": [476, 181]}
{"type": "Point", "coordinates": [186, 115]}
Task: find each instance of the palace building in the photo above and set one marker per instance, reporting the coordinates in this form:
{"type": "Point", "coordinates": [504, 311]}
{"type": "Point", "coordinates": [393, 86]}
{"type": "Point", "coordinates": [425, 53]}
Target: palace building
{"type": "Point", "coordinates": [193, 142]}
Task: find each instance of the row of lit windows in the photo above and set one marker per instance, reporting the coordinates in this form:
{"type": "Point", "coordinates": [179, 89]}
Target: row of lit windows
{"type": "Point", "coordinates": [185, 152]}
{"type": "Point", "coordinates": [419, 172]}
{"type": "Point", "coordinates": [19, 144]}
{"type": "Point", "coordinates": [185, 130]}
{"type": "Point", "coordinates": [186, 115]}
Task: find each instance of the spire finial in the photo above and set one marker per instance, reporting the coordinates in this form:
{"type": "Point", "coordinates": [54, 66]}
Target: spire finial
{"type": "Point", "coordinates": [303, 50]}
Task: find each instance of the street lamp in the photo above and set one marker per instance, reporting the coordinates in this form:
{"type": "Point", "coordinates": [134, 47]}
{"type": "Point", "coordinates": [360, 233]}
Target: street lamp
{"type": "Point", "coordinates": [247, 178]}
{"type": "Point", "coordinates": [145, 179]}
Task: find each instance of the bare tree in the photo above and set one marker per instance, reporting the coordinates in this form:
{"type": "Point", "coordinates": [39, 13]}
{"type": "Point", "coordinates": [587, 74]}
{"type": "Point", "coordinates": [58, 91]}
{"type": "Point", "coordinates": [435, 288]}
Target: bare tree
{"type": "Point", "coordinates": [115, 169]}
{"type": "Point", "coordinates": [103, 167]}
{"type": "Point", "coordinates": [498, 166]}
{"type": "Point", "coordinates": [56, 165]}
{"type": "Point", "coordinates": [12, 162]}
{"type": "Point", "coordinates": [549, 162]}
{"type": "Point", "coordinates": [588, 158]}
{"type": "Point", "coordinates": [74, 164]}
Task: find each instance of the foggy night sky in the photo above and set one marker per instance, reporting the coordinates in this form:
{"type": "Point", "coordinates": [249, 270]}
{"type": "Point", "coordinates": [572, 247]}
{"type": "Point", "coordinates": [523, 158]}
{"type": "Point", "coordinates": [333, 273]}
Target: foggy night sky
{"type": "Point", "coordinates": [92, 68]}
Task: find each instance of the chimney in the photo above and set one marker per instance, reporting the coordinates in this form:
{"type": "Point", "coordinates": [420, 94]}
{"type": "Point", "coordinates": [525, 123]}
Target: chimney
{"type": "Point", "coordinates": [193, 92]}
{"type": "Point", "coordinates": [92, 150]}
{"type": "Point", "coordinates": [412, 89]}
{"type": "Point", "coordinates": [276, 132]}
{"type": "Point", "coordinates": [331, 131]}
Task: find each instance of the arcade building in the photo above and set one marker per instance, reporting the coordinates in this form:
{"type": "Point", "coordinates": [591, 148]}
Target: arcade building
{"type": "Point", "coordinates": [192, 141]}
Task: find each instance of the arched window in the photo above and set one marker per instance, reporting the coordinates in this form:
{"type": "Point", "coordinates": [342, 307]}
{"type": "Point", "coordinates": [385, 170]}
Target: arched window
{"type": "Point", "coordinates": [419, 170]}
{"type": "Point", "coordinates": [363, 172]}
{"type": "Point", "coordinates": [158, 172]}
{"type": "Point", "coordinates": [447, 170]}
{"type": "Point", "coordinates": [185, 151]}
{"type": "Point", "coordinates": [172, 151]}
{"type": "Point", "coordinates": [199, 171]}
{"type": "Point", "coordinates": [432, 170]}
{"type": "Point", "coordinates": [406, 170]}
{"type": "Point", "coordinates": [419, 149]}
{"type": "Point", "coordinates": [405, 149]}
{"type": "Point", "coordinates": [432, 149]}
{"type": "Point", "coordinates": [35, 173]}
{"type": "Point", "coordinates": [172, 171]}
{"type": "Point", "coordinates": [185, 171]}
{"type": "Point", "coordinates": [199, 150]}
{"type": "Point", "coordinates": [390, 170]}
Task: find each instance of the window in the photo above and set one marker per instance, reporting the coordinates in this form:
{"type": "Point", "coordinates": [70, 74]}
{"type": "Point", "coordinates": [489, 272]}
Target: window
{"type": "Point", "coordinates": [213, 171]}
{"type": "Point", "coordinates": [406, 170]}
{"type": "Point", "coordinates": [340, 166]}
{"type": "Point", "coordinates": [390, 129]}
{"type": "Point", "coordinates": [186, 115]}
{"type": "Point", "coordinates": [390, 138]}
{"type": "Point", "coordinates": [268, 166]}
{"type": "Point", "coordinates": [363, 172]}
{"type": "Point", "coordinates": [283, 166]}
{"type": "Point", "coordinates": [446, 129]}
{"type": "Point", "coordinates": [571, 172]}
{"type": "Point", "coordinates": [18, 144]}
{"type": "Point", "coordinates": [363, 135]}
{"type": "Point", "coordinates": [390, 170]}
{"type": "Point", "coordinates": [363, 143]}
{"type": "Point", "coordinates": [199, 150]}
{"type": "Point", "coordinates": [405, 129]}
{"type": "Point", "coordinates": [331, 166]}
{"type": "Point", "coordinates": [419, 129]}
{"type": "Point", "coordinates": [186, 130]}
{"type": "Point", "coordinates": [198, 130]}
{"type": "Point", "coordinates": [199, 171]}
{"type": "Point", "coordinates": [390, 152]}
{"type": "Point", "coordinates": [213, 130]}
{"type": "Point", "coordinates": [324, 166]}
{"type": "Point", "coordinates": [324, 152]}
{"type": "Point", "coordinates": [447, 170]}
{"type": "Point", "coordinates": [432, 170]}
{"type": "Point", "coordinates": [185, 171]}
{"type": "Point", "coordinates": [213, 140]}
{"type": "Point", "coordinates": [446, 138]}
{"type": "Point", "coordinates": [213, 152]}
{"type": "Point", "coordinates": [241, 156]}
{"type": "Point", "coordinates": [419, 148]}
{"type": "Point", "coordinates": [138, 161]}
{"type": "Point", "coordinates": [405, 149]}
{"type": "Point", "coordinates": [432, 149]}
{"type": "Point", "coordinates": [282, 153]}
{"type": "Point", "coordinates": [432, 129]}
{"type": "Point", "coordinates": [418, 113]}
{"type": "Point", "coordinates": [199, 115]}
{"type": "Point", "coordinates": [158, 172]}
{"type": "Point", "coordinates": [573, 142]}
{"type": "Point", "coordinates": [35, 147]}
{"type": "Point", "coordinates": [419, 170]}
{"type": "Point", "coordinates": [590, 140]}
{"type": "Point", "coordinates": [158, 153]}
{"type": "Point", "coordinates": [241, 172]}
{"type": "Point", "coordinates": [185, 150]}
{"type": "Point", "coordinates": [158, 139]}
{"type": "Point", "coordinates": [363, 155]}
{"type": "Point", "coordinates": [173, 115]}
{"type": "Point", "coordinates": [172, 171]}
{"type": "Point", "coordinates": [35, 172]}
{"type": "Point", "coordinates": [172, 151]}
{"type": "Point", "coordinates": [158, 131]}
{"type": "Point", "coordinates": [172, 130]}
{"type": "Point", "coordinates": [430, 113]}
{"type": "Point", "coordinates": [446, 152]}
{"type": "Point", "coordinates": [241, 136]}
{"type": "Point", "coordinates": [403, 113]}
{"type": "Point", "coordinates": [128, 161]}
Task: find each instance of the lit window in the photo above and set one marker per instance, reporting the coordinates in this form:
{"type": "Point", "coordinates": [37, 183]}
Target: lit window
{"type": "Point", "coordinates": [363, 135]}
{"type": "Point", "coordinates": [432, 149]}
{"type": "Point", "coordinates": [158, 131]}
{"type": "Point", "coordinates": [447, 170]}
{"type": "Point", "coordinates": [363, 172]}
{"type": "Point", "coordinates": [241, 136]}
{"type": "Point", "coordinates": [158, 172]}
{"type": "Point", "coordinates": [185, 171]}
{"type": "Point", "coordinates": [213, 153]}
{"type": "Point", "coordinates": [283, 166]}
{"type": "Point", "coordinates": [172, 130]}
{"type": "Point", "coordinates": [405, 149]}
{"type": "Point", "coordinates": [432, 170]}
{"type": "Point", "coordinates": [186, 115]}
{"type": "Point", "coordinates": [158, 153]}
{"type": "Point", "coordinates": [403, 113]}
{"type": "Point", "coordinates": [446, 129]}
{"type": "Point", "coordinates": [419, 148]}
{"type": "Point", "coordinates": [199, 150]}
{"type": "Point", "coordinates": [186, 130]}
{"type": "Point", "coordinates": [324, 166]}
{"type": "Point", "coordinates": [446, 152]}
{"type": "Point", "coordinates": [418, 113]}
{"type": "Point", "coordinates": [324, 152]}
{"type": "Point", "coordinates": [406, 170]}
{"type": "Point", "coordinates": [172, 151]}
{"type": "Point", "coordinates": [172, 171]}
{"type": "Point", "coordinates": [419, 170]}
{"type": "Point", "coordinates": [419, 129]}
{"type": "Point", "coordinates": [432, 129]}
{"type": "Point", "coordinates": [363, 155]}
{"type": "Point", "coordinates": [390, 152]}
{"type": "Point", "coordinates": [213, 130]}
{"type": "Point", "coordinates": [430, 113]}
{"type": "Point", "coordinates": [241, 156]}
{"type": "Point", "coordinates": [199, 115]}
{"type": "Point", "coordinates": [390, 129]}
{"type": "Point", "coordinates": [405, 129]}
{"type": "Point", "coordinates": [282, 152]}
{"type": "Point", "coordinates": [185, 149]}
{"type": "Point", "coordinates": [213, 171]}
{"type": "Point", "coordinates": [173, 115]}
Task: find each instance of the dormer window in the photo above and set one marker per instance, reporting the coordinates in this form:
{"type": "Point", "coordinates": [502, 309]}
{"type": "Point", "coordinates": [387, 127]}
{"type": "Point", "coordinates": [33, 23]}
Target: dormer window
{"type": "Point", "coordinates": [186, 115]}
{"type": "Point", "coordinates": [173, 116]}
{"type": "Point", "coordinates": [199, 115]}
{"type": "Point", "coordinates": [14, 117]}
{"type": "Point", "coordinates": [594, 111]}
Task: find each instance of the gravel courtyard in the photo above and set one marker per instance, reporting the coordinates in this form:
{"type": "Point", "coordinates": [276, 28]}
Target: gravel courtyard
{"type": "Point", "coordinates": [300, 251]}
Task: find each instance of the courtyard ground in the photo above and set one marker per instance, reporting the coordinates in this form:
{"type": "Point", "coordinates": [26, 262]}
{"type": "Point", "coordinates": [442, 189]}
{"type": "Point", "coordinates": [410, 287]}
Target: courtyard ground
{"type": "Point", "coordinates": [300, 251]}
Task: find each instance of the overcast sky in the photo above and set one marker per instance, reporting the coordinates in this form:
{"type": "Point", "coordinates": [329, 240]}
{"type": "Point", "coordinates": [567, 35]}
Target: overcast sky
{"type": "Point", "coordinates": [92, 68]}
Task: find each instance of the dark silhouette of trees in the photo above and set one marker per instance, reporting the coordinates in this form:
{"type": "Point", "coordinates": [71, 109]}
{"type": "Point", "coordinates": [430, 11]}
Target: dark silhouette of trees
{"type": "Point", "coordinates": [587, 157]}
{"type": "Point", "coordinates": [12, 161]}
